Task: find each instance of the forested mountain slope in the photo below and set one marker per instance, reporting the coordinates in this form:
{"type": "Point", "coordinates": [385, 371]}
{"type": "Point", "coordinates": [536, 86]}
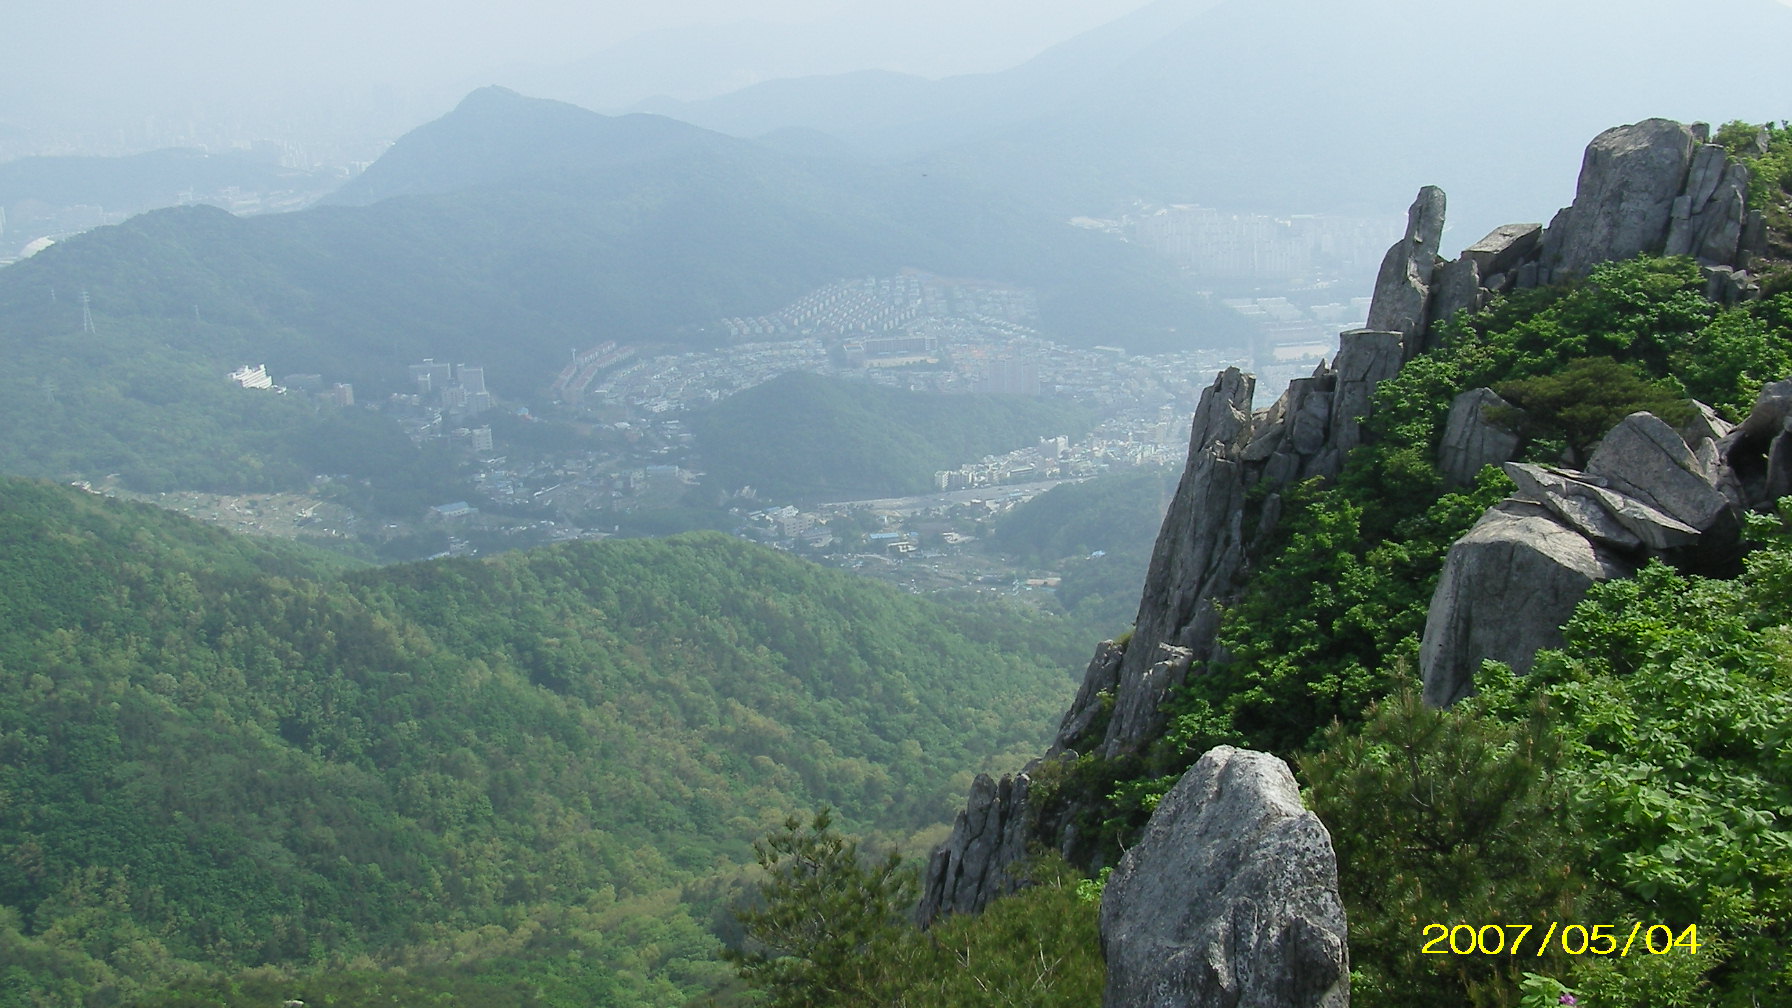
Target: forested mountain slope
{"type": "Point", "coordinates": [532, 774]}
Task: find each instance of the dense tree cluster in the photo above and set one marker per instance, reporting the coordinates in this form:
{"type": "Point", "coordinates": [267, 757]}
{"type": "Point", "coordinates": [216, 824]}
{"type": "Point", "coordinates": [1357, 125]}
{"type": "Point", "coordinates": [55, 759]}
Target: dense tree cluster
{"type": "Point", "coordinates": [230, 767]}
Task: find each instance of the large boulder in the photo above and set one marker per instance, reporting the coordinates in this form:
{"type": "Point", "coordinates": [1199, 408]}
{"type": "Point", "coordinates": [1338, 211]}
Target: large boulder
{"type": "Point", "coordinates": [1629, 181]}
{"type": "Point", "coordinates": [1642, 457]}
{"type": "Point", "coordinates": [1230, 898]}
{"type": "Point", "coordinates": [1504, 249]}
{"type": "Point", "coordinates": [1605, 517]}
{"type": "Point", "coordinates": [1480, 431]}
{"type": "Point", "coordinates": [1505, 591]}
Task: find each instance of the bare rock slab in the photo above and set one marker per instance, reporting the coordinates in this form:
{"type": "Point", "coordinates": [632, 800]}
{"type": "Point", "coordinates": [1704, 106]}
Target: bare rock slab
{"type": "Point", "coordinates": [1505, 591]}
{"type": "Point", "coordinates": [1230, 899]}
{"type": "Point", "coordinates": [1623, 204]}
{"type": "Point", "coordinates": [1480, 431]}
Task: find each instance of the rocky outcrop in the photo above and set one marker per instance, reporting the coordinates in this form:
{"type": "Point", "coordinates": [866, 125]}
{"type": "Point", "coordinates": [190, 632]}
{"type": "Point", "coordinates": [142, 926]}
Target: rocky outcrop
{"type": "Point", "coordinates": [1645, 459]}
{"type": "Point", "coordinates": [1510, 584]}
{"type": "Point", "coordinates": [1630, 181]}
{"type": "Point", "coordinates": [1208, 533]}
{"type": "Point", "coordinates": [1655, 187]}
{"type": "Point", "coordinates": [989, 836]}
{"type": "Point", "coordinates": [1759, 451]}
{"type": "Point", "coordinates": [1196, 560]}
{"type": "Point", "coordinates": [1403, 286]}
{"type": "Point", "coordinates": [1708, 218]}
{"type": "Point", "coordinates": [1094, 701]}
{"type": "Point", "coordinates": [1644, 188]}
{"type": "Point", "coordinates": [1506, 589]}
{"type": "Point", "coordinates": [1481, 431]}
{"type": "Point", "coordinates": [1230, 898]}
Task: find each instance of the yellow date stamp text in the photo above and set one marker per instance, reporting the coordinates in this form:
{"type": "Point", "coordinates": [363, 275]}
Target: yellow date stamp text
{"type": "Point", "coordinates": [1572, 939]}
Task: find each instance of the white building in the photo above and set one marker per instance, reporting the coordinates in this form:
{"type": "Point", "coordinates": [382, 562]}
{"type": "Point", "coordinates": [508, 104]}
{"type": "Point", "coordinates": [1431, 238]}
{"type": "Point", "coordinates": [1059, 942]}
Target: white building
{"type": "Point", "coordinates": [252, 377]}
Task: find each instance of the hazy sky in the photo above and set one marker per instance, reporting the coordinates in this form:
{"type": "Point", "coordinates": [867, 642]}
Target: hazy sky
{"type": "Point", "coordinates": [135, 48]}
{"type": "Point", "coordinates": [123, 73]}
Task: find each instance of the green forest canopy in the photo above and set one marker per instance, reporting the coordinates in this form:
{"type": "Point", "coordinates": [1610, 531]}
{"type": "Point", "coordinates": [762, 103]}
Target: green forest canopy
{"type": "Point", "coordinates": [533, 772]}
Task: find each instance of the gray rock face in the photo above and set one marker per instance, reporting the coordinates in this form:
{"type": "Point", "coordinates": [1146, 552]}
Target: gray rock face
{"type": "Point", "coordinates": [1366, 358]}
{"type": "Point", "coordinates": [1136, 708]}
{"type": "Point", "coordinates": [1646, 459]}
{"type": "Point", "coordinates": [1403, 285]}
{"type": "Point", "coordinates": [1705, 425]}
{"type": "Point", "coordinates": [1505, 248]}
{"type": "Point", "coordinates": [1199, 549]}
{"type": "Point", "coordinates": [1100, 680]}
{"type": "Point", "coordinates": [1230, 899]}
{"type": "Point", "coordinates": [1505, 591]}
{"type": "Point", "coordinates": [1456, 286]}
{"type": "Point", "coordinates": [1759, 450]}
{"type": "Point", "coordinates": [1478, 433]}
{"type": "Point", "coordinates": [1629, 180]}
{"type": "Point", "coordinates": [1603, 516]}
{"type": "Point", "coordinates": [1708, 220]}
{"type": "Point", "coordinates": [989, 835]}
{"type": "Point", "coordinates": [1515, 578]}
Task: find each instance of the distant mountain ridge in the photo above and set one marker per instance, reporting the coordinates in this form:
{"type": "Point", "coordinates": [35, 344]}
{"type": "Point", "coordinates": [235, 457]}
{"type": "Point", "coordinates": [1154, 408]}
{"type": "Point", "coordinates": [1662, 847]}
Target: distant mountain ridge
{"type": "Point", "coordinates": [503, 234]}
{"type": "Point", "coordinates": [1305, 106]}
{"type": "Point", "coordinates": [496, 136]}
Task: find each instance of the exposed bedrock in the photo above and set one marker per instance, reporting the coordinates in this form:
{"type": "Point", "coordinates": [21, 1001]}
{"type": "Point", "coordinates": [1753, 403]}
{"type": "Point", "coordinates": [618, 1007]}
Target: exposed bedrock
{"type": "Point", "coordinates": [1230, 898]}
{"type": "Point", "coordinates": [1506, 589]}
{"type": "Point", "coordinates": [1630, 179]}
{"type": "Point", "coordinates": [1512, 582]}
{"type": "Point", "coordinates": [1481, 431]}
{"type": "Point", "coordinates": [1403, 285]}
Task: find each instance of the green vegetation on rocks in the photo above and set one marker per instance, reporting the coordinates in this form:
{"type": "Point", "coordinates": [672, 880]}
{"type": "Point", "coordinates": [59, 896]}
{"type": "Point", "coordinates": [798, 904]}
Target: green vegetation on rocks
{"type": "Point", "coordinates": [1634, 776]}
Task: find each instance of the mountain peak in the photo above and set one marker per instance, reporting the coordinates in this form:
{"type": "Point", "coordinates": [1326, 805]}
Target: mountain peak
{"type": "Point", "coordinates": [496, 135]}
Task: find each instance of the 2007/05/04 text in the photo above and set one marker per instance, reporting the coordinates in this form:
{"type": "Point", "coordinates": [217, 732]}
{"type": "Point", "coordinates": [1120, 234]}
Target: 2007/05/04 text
{"type": "Point", "coordinates": [1573, 939]}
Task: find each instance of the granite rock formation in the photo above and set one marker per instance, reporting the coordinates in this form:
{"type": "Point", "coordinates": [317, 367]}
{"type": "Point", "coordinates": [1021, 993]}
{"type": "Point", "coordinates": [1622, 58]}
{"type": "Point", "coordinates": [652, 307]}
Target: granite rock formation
{"type": "Point", "coordinates": [1506, 589]}
{"type": "Point", "coordinates": [1648, 490]}
{"type": "Point", "coordinates": [1648, 187]}
{"type": "Point", "coordinates": [1230, 898]}
{"type": "Point", "coordinates": [1403, 286]}
{"type": "Point", "coordinates": [1656, 187]}
{"type": "Point", "coordinates": [987, 838]}
{"type": "Point", "coordinates": [1480, 431]}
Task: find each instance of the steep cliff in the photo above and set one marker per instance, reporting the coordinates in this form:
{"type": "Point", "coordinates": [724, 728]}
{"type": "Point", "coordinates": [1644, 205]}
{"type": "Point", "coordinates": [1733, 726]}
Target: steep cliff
{"type": "Point", "coordinates": [1656, 187]}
